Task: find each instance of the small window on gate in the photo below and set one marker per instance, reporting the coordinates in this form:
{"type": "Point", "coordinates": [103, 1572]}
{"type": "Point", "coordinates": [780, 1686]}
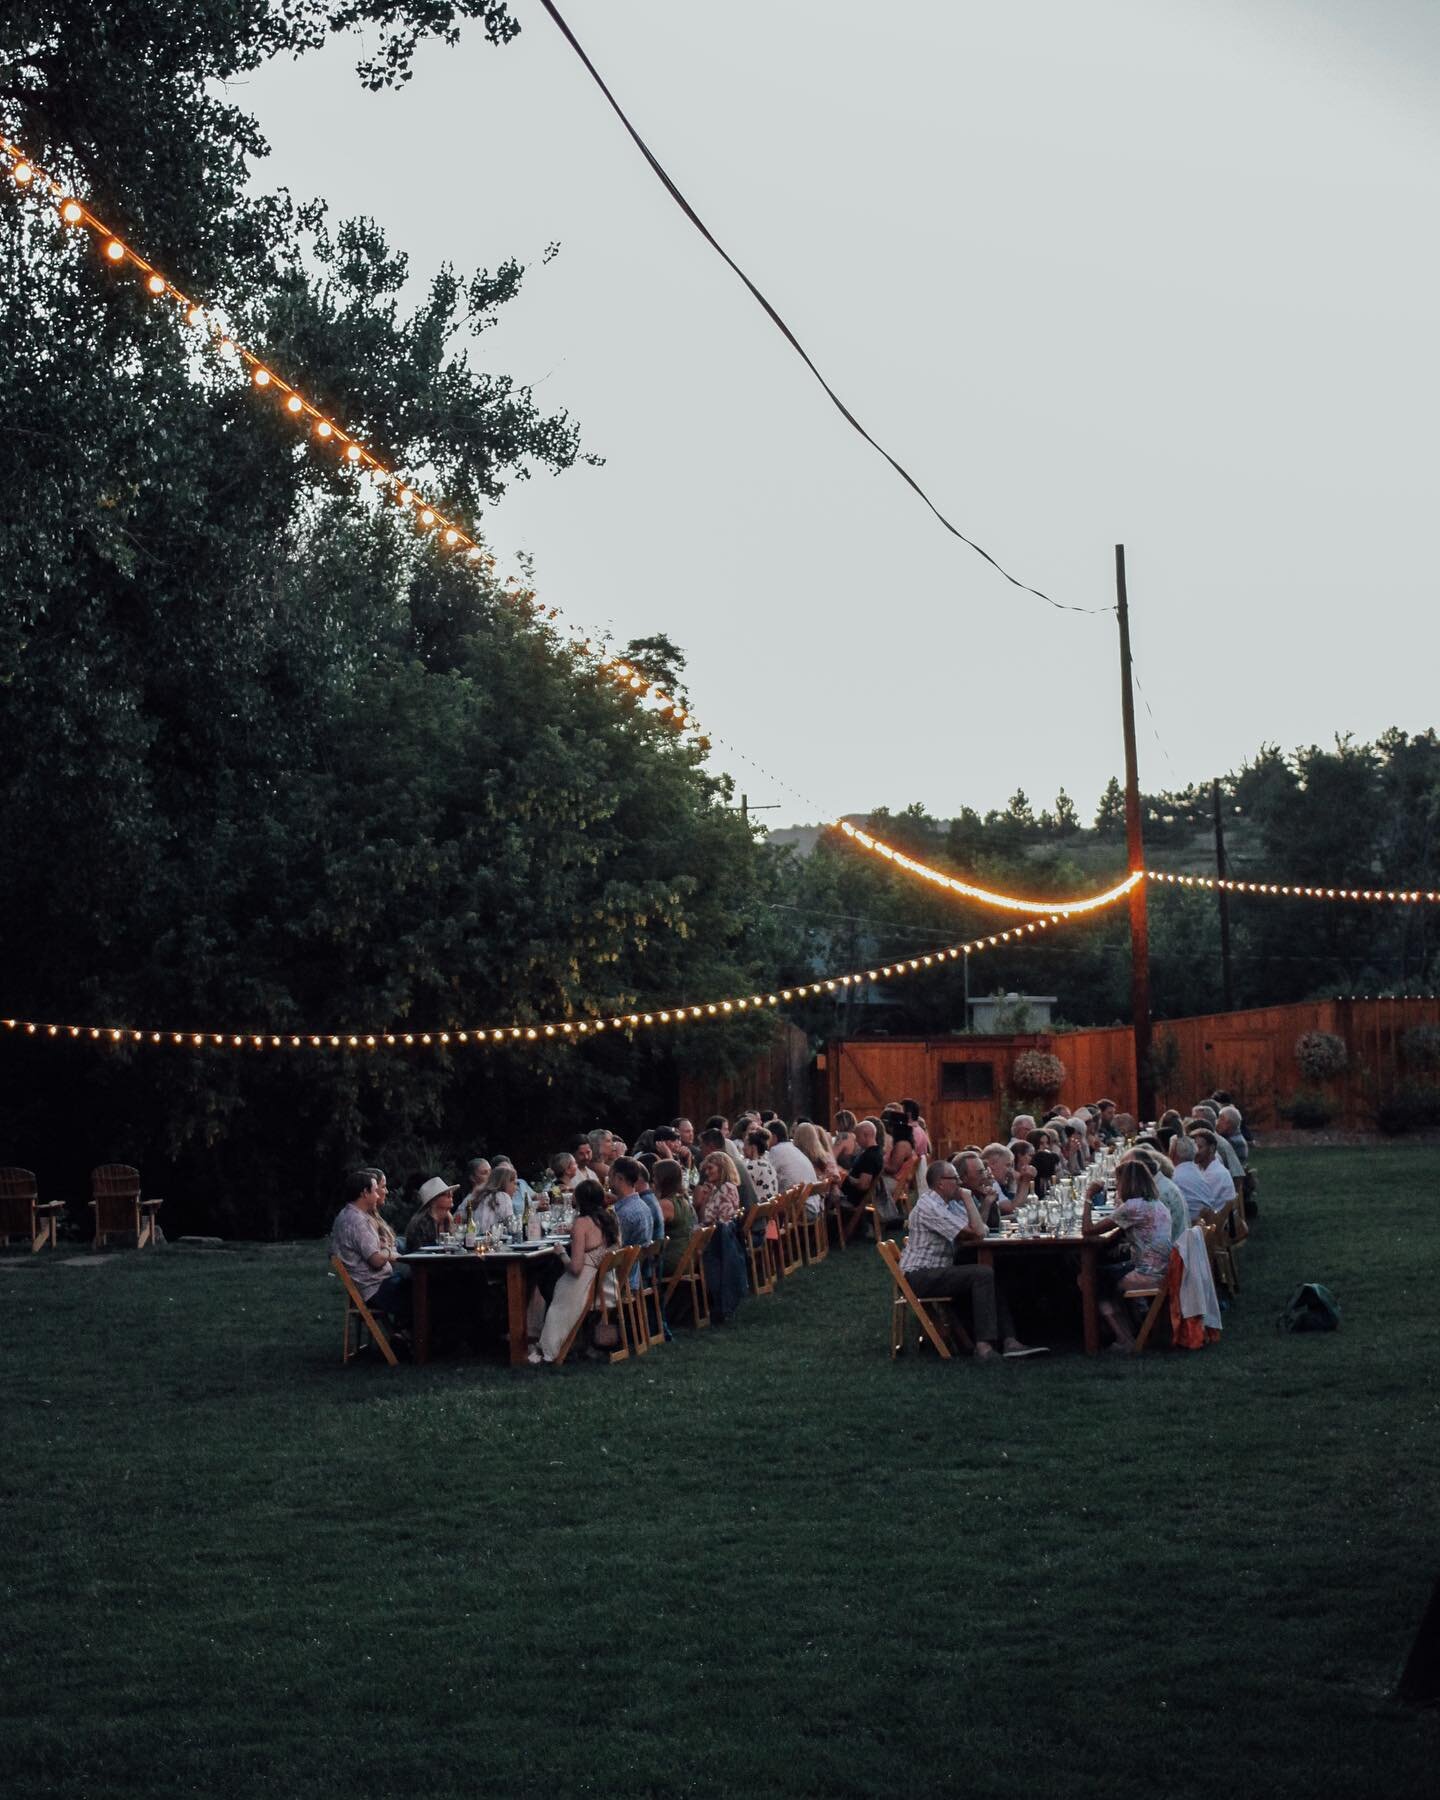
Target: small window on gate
{"type": "Point", "coordinates": [967, 1081]}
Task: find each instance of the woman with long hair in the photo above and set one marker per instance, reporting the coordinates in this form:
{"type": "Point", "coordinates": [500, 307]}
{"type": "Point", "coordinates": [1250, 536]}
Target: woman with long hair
{"type": "Point", "coordinates": [815, 1144]}
{"type": "Point", "coordinates": [1145, 1219]}
{"type": "Point", "coordinates": [717, 1203]}
{"type": "Point", "coordinates": [594, 1232]}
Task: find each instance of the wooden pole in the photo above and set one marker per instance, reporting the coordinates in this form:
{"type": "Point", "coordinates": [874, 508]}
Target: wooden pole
{"type": "Point", "coordinates": [1135, 842]}
{"type": "Point", "coordinates": [1227, 986]}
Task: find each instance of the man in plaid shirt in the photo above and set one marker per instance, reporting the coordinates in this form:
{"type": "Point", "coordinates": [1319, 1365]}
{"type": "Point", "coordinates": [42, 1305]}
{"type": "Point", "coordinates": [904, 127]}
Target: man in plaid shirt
{"type": "Point", "coordinates": [944, 1220]}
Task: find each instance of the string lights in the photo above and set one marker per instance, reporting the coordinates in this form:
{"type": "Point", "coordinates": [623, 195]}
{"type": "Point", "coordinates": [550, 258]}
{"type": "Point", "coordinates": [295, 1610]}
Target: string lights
{"type": "Point", "coordinates": [1294, 891]}
{"type": "Point", "coordinates": [267, 381]}
{"type": "Point", "coordinates": [566, 1031]}
{"type": "Point", "coordinates": [1010, 902]}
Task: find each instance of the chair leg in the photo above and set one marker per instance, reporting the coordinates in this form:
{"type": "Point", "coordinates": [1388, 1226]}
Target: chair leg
{"type": "Point", "coordinates": [1157, 1306]}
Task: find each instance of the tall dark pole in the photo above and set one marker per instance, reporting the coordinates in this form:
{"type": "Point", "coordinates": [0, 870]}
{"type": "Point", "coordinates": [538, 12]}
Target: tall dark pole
{"type": "Point", "coordinates": [1227, 986]}
{"type": "Point", "coordinates": [1135, 841]}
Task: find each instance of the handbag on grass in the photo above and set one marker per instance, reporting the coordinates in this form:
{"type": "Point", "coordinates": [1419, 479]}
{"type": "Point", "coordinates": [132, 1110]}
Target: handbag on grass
{"type": "Point", "coordinates": [1312, 1307]}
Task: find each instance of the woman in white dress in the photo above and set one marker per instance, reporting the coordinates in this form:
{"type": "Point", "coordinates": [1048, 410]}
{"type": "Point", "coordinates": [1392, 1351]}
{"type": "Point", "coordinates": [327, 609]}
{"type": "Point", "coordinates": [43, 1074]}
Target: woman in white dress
{"type": "Point", "coordinates": [594, 1232]}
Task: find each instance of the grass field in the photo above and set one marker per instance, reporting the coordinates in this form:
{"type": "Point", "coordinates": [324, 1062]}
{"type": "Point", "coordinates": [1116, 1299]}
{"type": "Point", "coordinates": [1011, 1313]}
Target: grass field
{"type": "Point", "coordinates": [762, 1561]}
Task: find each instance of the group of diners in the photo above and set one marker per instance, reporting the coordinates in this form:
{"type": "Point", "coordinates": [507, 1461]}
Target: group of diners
{"type": "Point", "coordinates": [678, 1179]}
{"type": "Point", "coordinates": [1172, 1176]}
{"type": "Point", "coordinates": [675, 1181]}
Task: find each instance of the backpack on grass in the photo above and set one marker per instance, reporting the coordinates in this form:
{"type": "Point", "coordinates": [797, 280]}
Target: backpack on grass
{"type": "Point", "coordinates": [1312, 1307]}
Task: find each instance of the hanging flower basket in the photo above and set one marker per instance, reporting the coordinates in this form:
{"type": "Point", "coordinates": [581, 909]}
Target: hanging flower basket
{"type": "Point", "coordinates": [1037, 1074]}
{"type": "Point", "coordinates": [1321, 1055]}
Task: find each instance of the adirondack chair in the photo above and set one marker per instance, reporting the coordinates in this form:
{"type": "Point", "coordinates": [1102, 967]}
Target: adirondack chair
{"type": "Point", "coordinates": [117, 1206]}
{"type": "Point", "coordinates": [23, 1213]}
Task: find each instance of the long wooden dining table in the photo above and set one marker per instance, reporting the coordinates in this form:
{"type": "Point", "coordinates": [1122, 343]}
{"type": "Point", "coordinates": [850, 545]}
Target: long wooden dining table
{"type": "Point", "coordinates": [1004, 1246]}
{"type": "Point", "coordinates": [426, 1266]}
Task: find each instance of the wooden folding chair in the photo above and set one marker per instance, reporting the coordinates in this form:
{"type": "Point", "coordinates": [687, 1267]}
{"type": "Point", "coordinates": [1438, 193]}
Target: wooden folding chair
{"type": "Point", "coordinates": [789, 1253]}
{"type": "Point", "coordinates": [814, 1227]}
{"type": "Point", "coordinates": [1158, 1294]}
{"type": "Point", "coordinates": [758, 1256]}
{"type": "Point", "coordinates": [1224, 1265]}
{"type": "Point", "coordinates": [651, 1322]}
{"type": "Point", "coordinates": [690, 1272]}
{"type": "Point", "coordinates": [355, 1308]}
{"type": "Point", "coordinates": [24, 1214]}
{"type": "Point", "coordinates": [611, 1263]}
{"type": "Point", "coordinates": [117, 1206]}
{"type": "Point", "coordinates": [907, 1303]}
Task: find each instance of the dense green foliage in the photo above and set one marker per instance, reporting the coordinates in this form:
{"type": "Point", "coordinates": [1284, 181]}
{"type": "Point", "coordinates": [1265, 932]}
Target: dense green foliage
{"type": "Point", "coordinates": [272, 765]}
{"type": "Point", "coordinates": [1171, 1575]}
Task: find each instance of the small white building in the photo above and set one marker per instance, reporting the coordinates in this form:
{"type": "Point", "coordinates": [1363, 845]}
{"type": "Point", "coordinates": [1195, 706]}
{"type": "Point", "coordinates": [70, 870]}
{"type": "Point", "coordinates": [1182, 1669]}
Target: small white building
{"type": "Point", "coordinates": [1005, 1015]}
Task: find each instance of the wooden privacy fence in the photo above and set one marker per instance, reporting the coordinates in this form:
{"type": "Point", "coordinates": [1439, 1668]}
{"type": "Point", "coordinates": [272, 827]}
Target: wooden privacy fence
{"type": "Point", "coordinates": [965, 1082]}
{"type": "Point", "coordinates": [1253, 1055]}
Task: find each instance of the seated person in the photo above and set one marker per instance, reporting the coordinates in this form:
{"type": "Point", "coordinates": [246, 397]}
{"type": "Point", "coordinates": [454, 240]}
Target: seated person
{"type": "Point", "coordinates": [1012, 1184]}
{"type": "Point", "coordinates": [1045, 1159]}
{"type": "Point", "coordinates": [594, 1234]}
{"type": "Point", "coordinates": [632, 1214]}
{"type": "Point", "coordinates": [791, 1164]}
{"type": "Point", "coordinates": [1105, 1120]}
{"type": "Point", "coordinates": [368, 1258]}
{"type": "Point", "coordinates": [1145, 1219]}
{"type": "Point", "coordinates": [1223, 1182]}
{"type": "Point", "coordinates": [431, 1218]}
{"type": "Point", "coordinates": [676, 1211]}
{"type": "Point", "coordinates": [477, 1173]}
{"type": "Point", "coordinates": [1227, 1123]}
{"type": "Point", "coordinates": [977, 1181]}
{"type": "Point", "coordinates": [842, 1139]}
{"type": "Point", "coordinates": [1198, 1189]}
{"type": "Point", "coordinates": [1163, 1170]}
{"type": "Point", "coordinates": [495, 1203]}
{"type": "Point", "coordinates": [943, 1221]}
{"type": "Point", "coordinates": [861, 1185]}
{"type": "Point", "coordinates": [564, 1172]}
{"type": "Point", "coordinates": [714, 1142]}
{"type": "Point", "coordinates": [764, 1177]}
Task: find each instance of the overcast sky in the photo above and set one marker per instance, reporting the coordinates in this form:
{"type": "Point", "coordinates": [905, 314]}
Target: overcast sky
{"type": "Point", "coordinates": [1153, 273]}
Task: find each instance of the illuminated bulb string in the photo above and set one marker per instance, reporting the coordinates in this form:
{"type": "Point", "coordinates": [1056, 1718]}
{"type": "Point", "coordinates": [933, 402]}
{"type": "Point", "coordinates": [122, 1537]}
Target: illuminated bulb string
{"type": "Point", "coordinates": [1010, 902]}
{"type": "Point", "coordinates": [429, 518]}
{"type": "Point", "coordinates": [568, 1031]}
{"type": "Point", "coordinates": [1295, 891]}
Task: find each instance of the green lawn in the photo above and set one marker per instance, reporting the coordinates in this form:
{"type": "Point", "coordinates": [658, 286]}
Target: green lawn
{"type": "Point", "coordinates": [762, 1561]}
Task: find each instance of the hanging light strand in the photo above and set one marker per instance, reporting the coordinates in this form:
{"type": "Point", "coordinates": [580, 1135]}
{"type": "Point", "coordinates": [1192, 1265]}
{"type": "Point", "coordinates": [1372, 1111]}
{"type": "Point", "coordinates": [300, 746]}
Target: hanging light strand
{"type": "Point", "coordinates": [987, 897]}
{"type": "Point", "coordinates": [1295, 891]}
{"type": "Point", "coordinates": [447, 533]}
{"type": "Point", "coordinates": [566, 1031]}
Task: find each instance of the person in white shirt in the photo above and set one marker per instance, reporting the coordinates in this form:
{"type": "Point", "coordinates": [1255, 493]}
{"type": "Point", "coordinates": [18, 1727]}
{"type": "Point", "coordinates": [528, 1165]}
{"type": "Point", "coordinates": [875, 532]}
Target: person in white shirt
{"type": "Point", "coordinates": [791, 1165]}
{"type": "Point", "coordinates": [1200, 1191]}
{"type": "Point", "coordinates": [1208, 1161]}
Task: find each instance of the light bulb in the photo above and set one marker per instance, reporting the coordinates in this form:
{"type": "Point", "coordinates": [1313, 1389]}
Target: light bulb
{"type": "Point", "coordinates": [262, 378]}
{"type": "Point", "coordinates": [24, 174]}
{"type": "Point", "coordinates": [452, 536]}
{"type": "Point", "coordinates": [115, 250]}
{"type": "Point", "coordinates": [72, 212]}
{"type": "Point", "coordinates": [352, 451]}
{"type": "Point", "coordinates": [324, 428]}
{"type": "Point", "coordinates": [295, 404]}
{"type": "Point", "coordinates": [156, 284]}
{"type": "Point", "coordinates": [194, 316]}
{"type": "Point", "coordinates": [427, 517]}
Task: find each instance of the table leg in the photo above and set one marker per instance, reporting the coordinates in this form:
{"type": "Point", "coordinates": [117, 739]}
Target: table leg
{"type": "Point", "coordinates": [516, 1297]}
{"type": "Point", "coordinates": [1089, 1253]}
{"type": "Point", "coordinates": [420, 1310]}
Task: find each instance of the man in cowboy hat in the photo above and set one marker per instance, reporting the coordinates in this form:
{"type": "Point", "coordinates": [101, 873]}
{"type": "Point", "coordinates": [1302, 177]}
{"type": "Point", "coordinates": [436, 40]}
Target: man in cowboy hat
{"type": "Point", "coordinates": [432, 1216]}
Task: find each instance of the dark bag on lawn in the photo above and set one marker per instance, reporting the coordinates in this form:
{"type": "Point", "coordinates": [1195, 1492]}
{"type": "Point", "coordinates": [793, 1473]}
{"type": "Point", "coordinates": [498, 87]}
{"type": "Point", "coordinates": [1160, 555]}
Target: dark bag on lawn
{"type": "Point", "coordinates": [1312, 1307]}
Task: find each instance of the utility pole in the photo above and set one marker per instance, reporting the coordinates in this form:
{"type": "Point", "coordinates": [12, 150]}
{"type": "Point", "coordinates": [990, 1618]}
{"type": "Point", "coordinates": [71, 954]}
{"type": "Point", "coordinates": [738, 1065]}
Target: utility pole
{"type": "Point", "coordinates": [1227, 986]}
{"type": "Point", "coordinates": [1135, 842]}
{"type": "Point", "coordinates": [745, 808]}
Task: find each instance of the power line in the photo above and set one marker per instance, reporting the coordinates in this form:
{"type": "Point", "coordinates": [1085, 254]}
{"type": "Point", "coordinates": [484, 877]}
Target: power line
{"type": "Point", "coordinates": [786, 332]}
